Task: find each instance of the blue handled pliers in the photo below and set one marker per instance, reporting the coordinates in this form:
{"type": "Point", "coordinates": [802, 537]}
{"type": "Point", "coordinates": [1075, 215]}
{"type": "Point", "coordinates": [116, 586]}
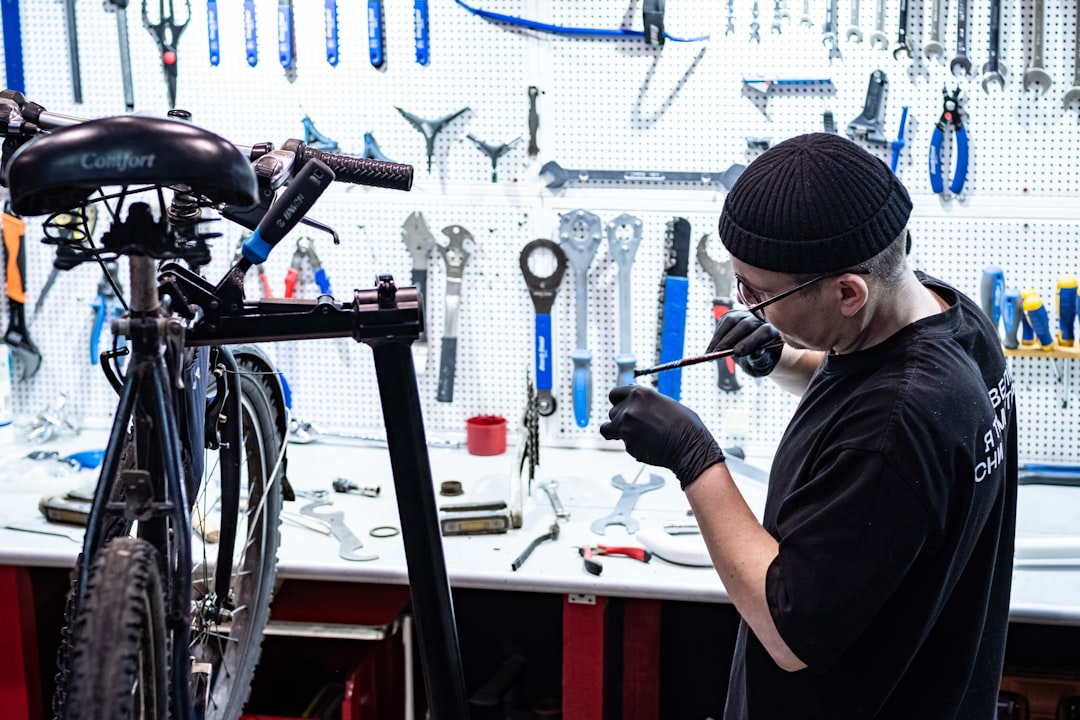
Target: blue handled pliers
{"type": "Point", "coordinates": [950, 115]}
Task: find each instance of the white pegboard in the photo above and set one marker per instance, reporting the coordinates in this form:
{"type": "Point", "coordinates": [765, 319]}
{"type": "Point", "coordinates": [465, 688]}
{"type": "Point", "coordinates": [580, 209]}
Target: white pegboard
{"type": "Point", "coordinates": [605, 104]}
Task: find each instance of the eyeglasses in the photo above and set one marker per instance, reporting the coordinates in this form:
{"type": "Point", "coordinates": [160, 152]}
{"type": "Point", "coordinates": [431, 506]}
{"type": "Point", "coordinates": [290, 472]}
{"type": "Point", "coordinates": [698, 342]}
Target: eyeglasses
{"type": "Point", "coordinates": [752, 298]}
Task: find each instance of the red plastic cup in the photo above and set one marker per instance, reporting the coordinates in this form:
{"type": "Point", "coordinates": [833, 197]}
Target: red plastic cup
{"type": "Point", "coordinates": [485, 435]}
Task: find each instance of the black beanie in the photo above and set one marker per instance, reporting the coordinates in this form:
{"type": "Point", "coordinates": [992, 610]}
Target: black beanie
{"type": "Point", "coordinates": [814, 203]}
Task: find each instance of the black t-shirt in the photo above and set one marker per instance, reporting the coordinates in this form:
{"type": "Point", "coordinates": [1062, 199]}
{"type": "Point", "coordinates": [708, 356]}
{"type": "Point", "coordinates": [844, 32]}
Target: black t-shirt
{"type": "Point", "coordinates": [893, 498]}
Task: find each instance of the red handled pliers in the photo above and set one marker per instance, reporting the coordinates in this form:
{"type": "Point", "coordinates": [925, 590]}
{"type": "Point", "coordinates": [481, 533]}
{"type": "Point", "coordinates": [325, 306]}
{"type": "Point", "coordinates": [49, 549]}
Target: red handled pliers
{"type": "Point", "coordinates": [593, 566]}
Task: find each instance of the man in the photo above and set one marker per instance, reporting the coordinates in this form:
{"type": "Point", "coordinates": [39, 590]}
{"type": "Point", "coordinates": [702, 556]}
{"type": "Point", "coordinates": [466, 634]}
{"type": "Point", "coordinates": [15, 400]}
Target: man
{"type": "Point", "coordinates": [877, 585]}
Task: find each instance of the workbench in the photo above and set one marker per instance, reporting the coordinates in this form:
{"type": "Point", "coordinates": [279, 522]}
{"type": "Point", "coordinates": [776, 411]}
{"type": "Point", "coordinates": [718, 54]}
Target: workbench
{"type": "Point", "coordinates": [1045, 592]}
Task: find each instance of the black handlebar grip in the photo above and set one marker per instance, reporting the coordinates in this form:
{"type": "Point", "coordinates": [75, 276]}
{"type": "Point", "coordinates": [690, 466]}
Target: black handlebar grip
{"type": "Point", "coordinates": [365, 171]}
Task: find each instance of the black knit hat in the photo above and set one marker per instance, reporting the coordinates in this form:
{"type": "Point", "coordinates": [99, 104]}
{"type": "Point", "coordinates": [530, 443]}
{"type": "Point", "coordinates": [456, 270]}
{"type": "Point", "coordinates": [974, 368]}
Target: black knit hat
{"type": "Point", "coordinates": [814, 203]}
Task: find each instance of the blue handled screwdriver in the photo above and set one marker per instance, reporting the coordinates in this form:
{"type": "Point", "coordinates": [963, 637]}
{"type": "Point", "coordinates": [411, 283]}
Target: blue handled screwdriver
{"type": "Point", "coordinates": [992, 292]}
{"type": "Point", "coordinates": [1066, 309]}
{"type": "Point", "coordinates": [1012, 311]}
{"type": "Point", "coordinates": [1027, 335]}
{"type": "Point", "coordinates": [1037, 317]}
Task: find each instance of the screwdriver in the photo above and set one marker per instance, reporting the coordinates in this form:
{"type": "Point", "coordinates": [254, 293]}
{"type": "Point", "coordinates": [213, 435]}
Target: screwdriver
{"type": "Point", "coordinates": [991, 292]}
{"type": "Point", "coordinates": [698, 359]}
{"type": "Point", "coordinates": [1036, 315]}
{"type": "Point", "coordinates": [1012, 311]}
{"type": "Point", "coordinates": [1027, 335]}
{"type": "Point", "coordinates": [1066, 309]}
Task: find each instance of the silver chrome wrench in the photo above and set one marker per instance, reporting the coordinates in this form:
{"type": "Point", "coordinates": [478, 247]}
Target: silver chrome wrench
{"type": "Point", "coordinates": [631, 491]}
{"type": "Point", "coordinates": [579, 237]}
{"type": "Point", "coordinates": [349, 544]}
{"type": "Point", "coordinates": [455, 256]}
{"type": "Point", "coordinates": [624, 237]}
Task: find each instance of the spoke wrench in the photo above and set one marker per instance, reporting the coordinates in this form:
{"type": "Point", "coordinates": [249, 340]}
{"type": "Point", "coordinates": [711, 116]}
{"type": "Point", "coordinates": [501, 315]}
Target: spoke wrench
{"type": "Point", "coordinates": [630, 494]}
{"type": "Point", "coordinates": [624, 237]}
{"type": "Point", "coordinates": [579, 236]}
{"type": "Point", "coordinates": [349, 543]}
{"type": "Point", "coordinates": [455, 255]}
{"type": "Point", "coordinates": [542, 290]}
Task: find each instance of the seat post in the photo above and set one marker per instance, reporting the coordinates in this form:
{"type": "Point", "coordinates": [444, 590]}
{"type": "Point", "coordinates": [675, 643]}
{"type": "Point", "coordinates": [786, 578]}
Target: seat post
{"type": "Point", "coordinates": [144, 289]}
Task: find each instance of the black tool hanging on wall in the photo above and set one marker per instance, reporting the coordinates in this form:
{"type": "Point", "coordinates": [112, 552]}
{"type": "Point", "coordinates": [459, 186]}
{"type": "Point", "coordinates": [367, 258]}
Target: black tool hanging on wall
{"type": "Point", "coordinates": [166, 30]}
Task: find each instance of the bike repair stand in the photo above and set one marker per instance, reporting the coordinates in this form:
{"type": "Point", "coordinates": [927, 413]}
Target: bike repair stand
{"type": "Point", "coordinates": [389, 320]}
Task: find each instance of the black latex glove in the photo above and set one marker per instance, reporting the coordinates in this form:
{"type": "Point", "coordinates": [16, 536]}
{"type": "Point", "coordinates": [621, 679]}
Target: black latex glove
{"type": "Point", "coordinates": [659, 431]}
{"type": "Point", "coordinates": [748, 336]}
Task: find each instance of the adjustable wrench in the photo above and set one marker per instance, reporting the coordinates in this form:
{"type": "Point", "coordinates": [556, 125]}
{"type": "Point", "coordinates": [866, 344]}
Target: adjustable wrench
{"type": "Point", "coordinates": [961, 61]}
{"type": "Point", "coordinates": [878, 39]}
{"type": "Point", "coordinates": [832, 9]}
{"type": "Point", "coordinates": [1036, 73]}
{"type": "Point", "coordinates": [579, 237]}
{"type": "Point", "coordinates": [419, 241]}
{"type": "Point", "coordinates": [349, 544]}
{"type": "Point", "coordinates": [902, 46]}
{"type": "Point", "coordinates": [1074, 92]}
{"type": "Point", "coordinates": [624, 237]}
{"type": "Point", "coordinates": [455, 255]}
{"type": "Point", "coordinates": [630, 494]}
{"type": "Point", "coordinates": [934, 49]}
{"type": "Point", "coordinates": [723, 277]}
{"type": "Point", "coordinates": [853, 30]}
{"type": "Point", "coordinates": [993, 69]}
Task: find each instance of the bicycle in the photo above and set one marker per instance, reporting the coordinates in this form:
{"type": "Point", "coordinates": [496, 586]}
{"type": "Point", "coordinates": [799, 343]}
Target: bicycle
{"type": "Point", "coordinates": [150, 631]}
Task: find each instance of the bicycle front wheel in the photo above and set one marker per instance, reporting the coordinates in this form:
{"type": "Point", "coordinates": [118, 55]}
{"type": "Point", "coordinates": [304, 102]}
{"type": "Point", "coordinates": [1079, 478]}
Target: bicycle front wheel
{"type": "Point", "coordinates": [119, 662]}
{"type": "Point", "coordinates": [225, 645]}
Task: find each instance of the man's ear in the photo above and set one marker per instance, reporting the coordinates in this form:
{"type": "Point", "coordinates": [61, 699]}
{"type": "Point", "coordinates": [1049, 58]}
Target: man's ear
{"type": "Point", "coordinates": [854, 293]}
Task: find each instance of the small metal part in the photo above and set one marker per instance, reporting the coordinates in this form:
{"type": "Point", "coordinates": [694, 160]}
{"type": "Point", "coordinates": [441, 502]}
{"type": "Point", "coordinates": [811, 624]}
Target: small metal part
{"type": "Point", "coordinates": [384, 531]}
{"type": "Point", "coordinates": [344, 485]}
{"type": "Point", "coordinates": [451, 488]}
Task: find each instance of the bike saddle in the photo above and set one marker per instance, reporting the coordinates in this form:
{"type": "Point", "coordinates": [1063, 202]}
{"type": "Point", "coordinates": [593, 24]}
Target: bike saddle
{"type": "Point", "coordinates": [59, 171]}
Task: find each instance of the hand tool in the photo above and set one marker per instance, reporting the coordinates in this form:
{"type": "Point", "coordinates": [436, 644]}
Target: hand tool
{"type": "Point", "coordinates": [420, 32]}
{"type": "Point", "coordinates": [674, 292]}
{"type": "Point", "coordinates": [870, 125]}
{"type": "Point", "coordinates": [349, 545]}
{"type": "Point", "coordinates": [166, 31]}
{"type": "Point", "coordinates": [992, 293]}
{"type": "Point", "coordinates": [1066, 309]}
{"type": "Point", "coordinates": [618, 33]}
{"type": "Point", "coordinates": [593, 566]}
{"type": "Point", "coordinates": [902, 47]}
{"type": "Point", "coordinates": [494, 152]}
{"type": "Point", "coordinates": [776, 27]}
{"type": "Point", "coordinates": [731, 17]}
{"type": "Point", "coordinates": [419, 242]}
{"type": "Point", "coordinates": [764, 85]}
{"type": "Point", "coordinates": [371, 149]}
{"type": "Point", "coordinates": [344, 485]}
{"type": "Point", "coordinates": [551, 489]}
{"type": "Point", "coordinates": [993, 69]}
{"type": "Point", "coordinates": [551, 534]}
{"type": "Point", "coordinates": [13, 59]}
{"type": "Point", "coordinates": [1027, 334]}
{"type": "Point", "coordinates": [697, 360]}
{"type": "Point", "coordinates": [376, 40]}
{"type": "Point", "coordinates": [878, 39]}
{"type": "Point", "coordinates": [631, 491]}
{"type": "Point", "coordinates": [933, 49]}
{"type": "Point", "coordinates": [430, 128]}
{"type": "Point", "coordinates": [723, 278]}
{"type": "Point", "coordinates": [829, 36]}
{"type": "Point", "coordinates": [785, 13]}
{"type": "Point", "coordinates": [1037, 317]}
{"type": "Point", "coordinates": [73, 50]}
{"type": "Point", "coordinates": [579, 236]}
{"type": "Point", "coordinates": [961, 61]}
{"type": "Point", "coordinates": [1035, 72]}
{"type": "Point", "coordinates": [1012, 310]}
{"type": "Point", "coordinates": [455, 255]}
{"type": "Point", "coordinates": [898, 144]}
{"type": "Point", "coordinates": [106, 305]}
{"type": "Point", "coordinates": [1071, 94]}
{"type": "Point", "coordinates": [315, 139]}
{"type": "Point", "coordinates": [950, 116]}
{"type": "Point", "coordinates": [534, 121]}
{"type": "Point", "coordinates": [557, 176]}
{"type": "Point", "coordinates": [805, 18]}
{"type": "Point", "coordinates": [305, 250]}
{"type": "Point", "coordinates": [213, 32]}
{"type": "Point", "coordinates": [286, 39]}
{"type": "Point", "coordinates": [330, 27]}
{"type": "Point", "coordinates": [755, 26]}
{"type": "Point", "coordinates": [854, 31]}
{"type": "Point", "coordinates": [542, 288]}
{"type": "Point", "coordinates": [624, 238]}
{"type": "Point", "coordinates": [304, 433]}
{"type": "Point", "coordinates": [251, 35]}
{"type": "Point", "coordinates": [17, 336]}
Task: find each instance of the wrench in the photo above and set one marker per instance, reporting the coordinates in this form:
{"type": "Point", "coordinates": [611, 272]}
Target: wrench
{"type": "Point", "coordinates": [755, 26]}
{"type": "Point", "coordinates": [805, 18]}
{"type": "Point", "coordinates": [730, 17]}
{"type": "Point", "coordinates": [777, 14]}
{"type": "Point", "coordinates": [349, 544]}
{"type": "Point", "coordinates": [961, 62]}
{"type": "Point", "coordinates": [723, 277]}
{"type": "Point", "coordinates": [550, 488]}
{"type": "Point", "coordinates": [1036, 73]}
{"type": "Point", "coordinates": [579, 237]}
{"type": "Point", "coordinates": [630, 494]}
{"type": "Point", "coordinates": [418, 241]}
{"type": "Point", "coordinates": [901, 36]}
{"type": "Point", "coordinates": [993, 69]}
{"type": "Point", "coordinates": [1074, 92]}
{"type": "Point", "coordinates": [853, 30]}
{"type": "Point", "coordinates": [832, 9]}
{"type": "Point", "coordinates": [934, 49]}
{"type": "Point", "coordinates": [624, 237]}
{"type": "Point", "coordinates": [878, 39]}
{"type": "Point", "coordinates": [455, 255]}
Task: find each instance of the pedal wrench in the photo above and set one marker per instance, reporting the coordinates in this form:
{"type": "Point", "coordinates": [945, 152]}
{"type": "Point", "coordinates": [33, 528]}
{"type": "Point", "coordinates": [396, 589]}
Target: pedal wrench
{"type": "Point", "coordinates": [419, 242]}
{"type": "Point", "coordinates": [723, 278]}
{"type": "Point", "coordinates": [1074, 92]}
{"type": "Point", "coordinates": [901, 33]}
{"type": "Point", "coordinates": [579, 236]}
{"type": "Point", "coordinates": [348, 542]}
{"type": "Point", "coordinates": [934, 48]}
{"type": "Point", "coordinates": [961, 60]}
{"type": "Point", "coordinates": [853, 30]}
{"type": "Point", "coordinates": [624, 238]}
{"type": "Point", "coordinates": [455, 255]}
{"type": "Point", "coordinates": [994, 69]}
{"type": "Point", "coordinates": [630, 494]}
{"type": "Point", "coordinates": [542, 290]}
{"type": "Point", "coordinates": [1036, 72]}
{"type": "Point", "coordinates": [878, 39]}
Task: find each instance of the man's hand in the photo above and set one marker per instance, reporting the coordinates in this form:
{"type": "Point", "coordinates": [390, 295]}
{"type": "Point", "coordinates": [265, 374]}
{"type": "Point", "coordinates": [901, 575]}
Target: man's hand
{"type": "Point", "coordinates": [747, 336]}
{"type": "Point", "coordinates": [659, 431]}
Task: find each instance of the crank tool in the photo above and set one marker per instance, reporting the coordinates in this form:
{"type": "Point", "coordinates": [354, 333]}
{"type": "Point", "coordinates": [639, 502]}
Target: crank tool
{"type": "Point", "coordinates": [166, 29]}
{"type": "Point", "coordinates": [430, 128]}
{"type": "Point", "coordinates": [624, 238]}
{"type": "Point", "coordinates": [631, 491]}
{"type": "Point", "coordinates": [494, 152]}
{"type": "Point", "coordinates": [286, 44]}
{"type": "Point", "coordinates": [119, 7]}
{"type": "Point", "coordinates": [579, 237]}
{"type": "Point", "coordinates": [557, 176]}
{"type": "Point", "coordinates": [349, 545]}
{"type": "Point", "coordinates": [950, 116]}
{"type": "Point", "coordinates": [723, 277]}
{"type": "Point", "coordinates": [961, 61]}
{"type": "Point", "coordinates": [674, 291]}
{"type": "Point", "coordinates": [870, 125]}
{"type": "Point", "coordinates": [107, 305]}
{"type": "Point", "coordinates": [1036, 72]}
{"type": "Point", "coordinates": [455, 255]}
{"type": "Point", "coordinates": [994, 70]}
{"type": "Point", "coordinates": [593, 566]}
{"type": "Point", "coordinates": [419, 242]}
{"type": "Point", "coordinates": [542, 289]}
